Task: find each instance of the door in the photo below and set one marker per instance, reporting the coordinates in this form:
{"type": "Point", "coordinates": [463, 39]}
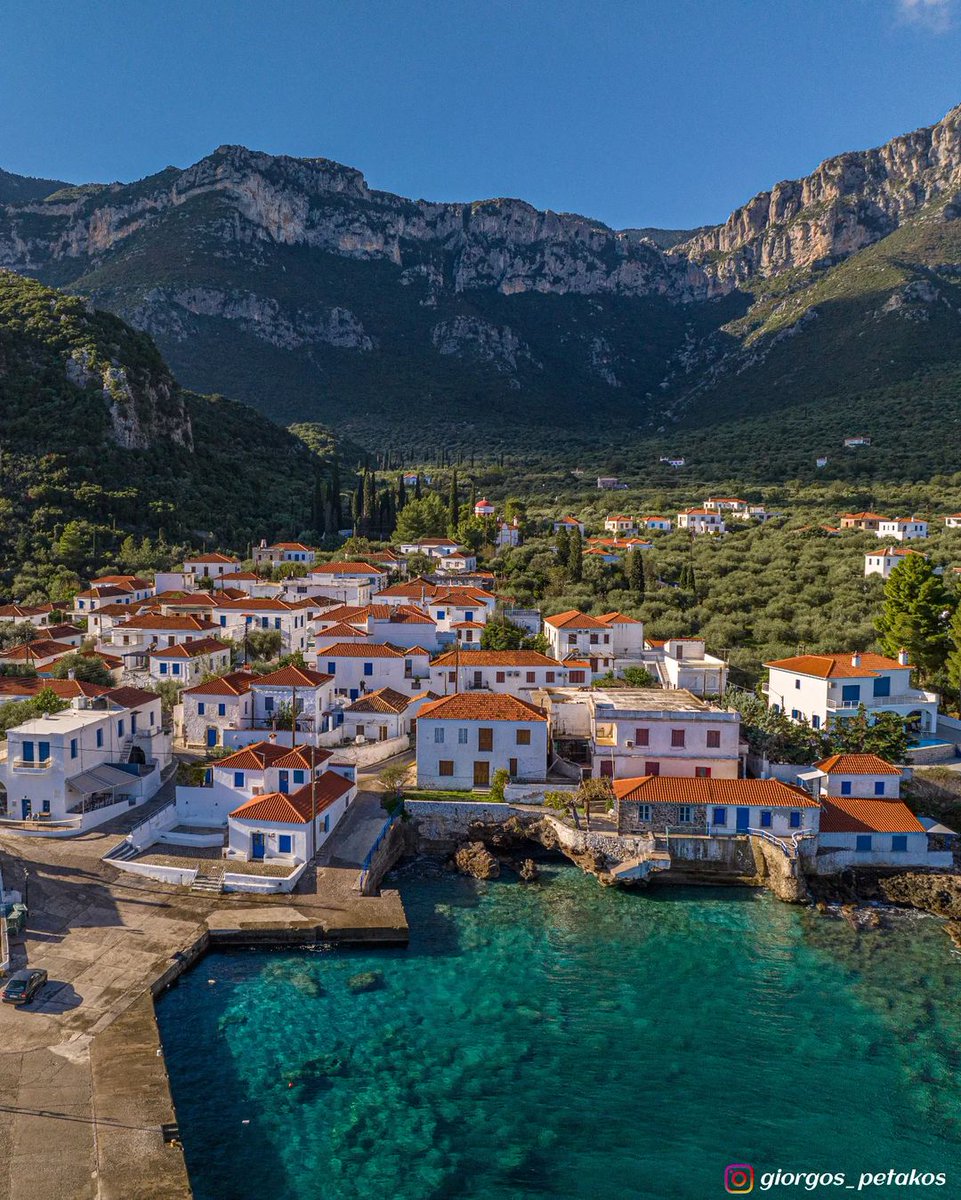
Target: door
{"type": "Point", "coordinates": [482, 774]}
{"type": "Point", "coordinates": [607, 768]}
{"type": "Point", "coordinates": [284, 781]}
{"type": "Point", "coordinates": [743, 819]}
{"type": "Point", "coordinates": [211, 736]}
{"type": "Point", "coordinates": [257, 846]}
{"type": "Point", "coordinates": [25, 803]}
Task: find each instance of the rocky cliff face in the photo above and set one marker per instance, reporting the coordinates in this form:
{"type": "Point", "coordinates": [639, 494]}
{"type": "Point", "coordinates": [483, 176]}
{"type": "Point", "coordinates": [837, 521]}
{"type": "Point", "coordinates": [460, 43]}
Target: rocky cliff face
{"type": "Point", "coordinates": [849, 202]}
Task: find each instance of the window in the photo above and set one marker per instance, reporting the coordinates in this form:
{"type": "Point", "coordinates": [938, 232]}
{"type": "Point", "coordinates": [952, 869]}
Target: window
{"type": "Point", "coordinates": [685, 814]}
{"type": "Point", "coordinates": [73, 747]}
{"type": "Point", "coordinates": [644, 812]}
{"type": "Point", "coordinates": [238, 779]}
{"type": "Point", "coordinates": [882, 685]}
{"type": "Point", "coordinates": [331, 668]}
{"type": "Point", "coordinates": [702, 772]}
{"type": "Point", "coordinates": [99, 739]}
{"type": "Point", "coordinates": [221, 710]}
{"type": "Point", "coordinates": [523, 737]}
{"type": "Point", "coordinates": [462, 735]}
{"type": "Point", "coordinates": [846, 788]}
{"type": "Point", "coordinates": [531, 676]}
{"type": "Point", "coordinates": [642, 737]}
{"type": "Point", "coordinates": [815, 722]}
{"type": "Point", "coordinates": [766, 819]}
{"type": "Point", "coordinates": [283, 843]}
{"type": "Point", "coordinates": [652, 768]}
{"type": "Point", "coordinates": [176, 668]}
{"type": "Point", "coordinates": [796, 714]}
{"type": "Point", "coordinates": [862, 843]}
{"type": "Point", "coordinates": [899, 843]}
{"type": "Point", "coordinates": [576, 677]}
{"type": "Point", "coordinates": [500, 677]}
{"type": "Point", "coordinates": [269, 703]}
{"type": "Point", "coordinates": [298, 776]}
{"type": "Point", "coordinates": [550, 676]}
{"type": "Point", "coordinates": [720, 816]}
{"type": "Point", "coordinates": [593, 639]}
{"type": "Point", "coordinates": [794, 819]}
{"type": "Point", "coordinates": [223, 621]}
{"type": "Point", "coordinates": [677, 737]}
{"type": "Point", "coordinates": [797, 683]}
{"type": "Point", "coordinates": [201, 708]}
{"type": "Point", "coordinates": [485, 739]}
{"type": "Point", "coordinates": [445, 767]}
{"type": "Point", "coordinates": [438, 735]}
{"type": "Point", "coordinates": [713, 739]}
{"type": "Point", "coordinates": [163, 668]}
{"type": "Point", "coordinates": [120, 729]}
{"type": "Point", "coordinates": [879, 787]}
{"type": "Point", "coordinates": [468, 616]}
{"type": "Point", "coordinates": [440, 614]}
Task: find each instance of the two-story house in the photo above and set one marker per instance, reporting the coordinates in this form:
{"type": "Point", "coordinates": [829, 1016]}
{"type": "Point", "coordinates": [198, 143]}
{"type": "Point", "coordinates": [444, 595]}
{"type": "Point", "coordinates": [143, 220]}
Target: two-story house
{"type": "Point", "coordinates": [212, 707]}
{"type": "Point", "coordinates": [187, 662]}
{"type": "Point", "coordinates": [277, 698]}
{"type": "Point", "coordinates": [359, 668]}
{"type": "Point", "coordinates": [701, 520]}
{"type": "Point", "coordinates": [821, 688]}
{"type": "Point", "coordinates": [463, 739]}
{"type": "Point", "coordinates": [902, 529]}
{"type": "Point", "coordinates": [509, 672]}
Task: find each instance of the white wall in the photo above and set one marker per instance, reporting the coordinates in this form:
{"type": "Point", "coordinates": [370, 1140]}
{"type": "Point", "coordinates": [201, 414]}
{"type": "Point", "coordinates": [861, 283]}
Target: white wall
{"type": "Point", "coordinates": [531, 760]}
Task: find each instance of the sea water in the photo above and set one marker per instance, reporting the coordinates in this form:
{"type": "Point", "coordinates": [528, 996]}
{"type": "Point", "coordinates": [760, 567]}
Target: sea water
{"type": "Point", "coordinates": [564, 1040]}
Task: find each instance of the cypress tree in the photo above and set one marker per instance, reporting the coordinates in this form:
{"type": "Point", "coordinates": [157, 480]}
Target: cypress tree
{"type": "Point", "coordinates": [575, 550]}
{"type": "Point", "coordinates": [635, 574]}
{"type": "Point", "coordinates": [452, 506]}
{"type": "Point", "coordinates": [562, 547]}
{"type": "Point", "coordinates": [417, 492]}
{"type": "Point", "coordinates": [401, 492]}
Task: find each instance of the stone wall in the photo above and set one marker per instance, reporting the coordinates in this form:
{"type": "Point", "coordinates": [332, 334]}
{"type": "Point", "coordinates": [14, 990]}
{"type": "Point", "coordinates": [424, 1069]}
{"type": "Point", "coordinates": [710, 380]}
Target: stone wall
{"type": "Point", "coordinates": [663, 816]}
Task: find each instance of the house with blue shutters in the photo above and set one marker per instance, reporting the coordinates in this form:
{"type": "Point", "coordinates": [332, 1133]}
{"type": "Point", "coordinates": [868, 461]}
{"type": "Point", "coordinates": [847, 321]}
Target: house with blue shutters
{"type": "Point", "coordinates": [206, 710]}
{"type": "Point", "coordinates": [187, 662]}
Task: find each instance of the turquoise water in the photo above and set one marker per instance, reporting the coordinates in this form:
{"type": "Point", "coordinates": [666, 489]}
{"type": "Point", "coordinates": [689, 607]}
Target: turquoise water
{"type": "Point", "coordinates": [562, 1040]}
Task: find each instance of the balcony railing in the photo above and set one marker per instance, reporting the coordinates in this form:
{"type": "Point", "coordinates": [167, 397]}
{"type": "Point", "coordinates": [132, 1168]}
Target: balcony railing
{"type": "Point", "coordinates": [25, 764]}
{"type": "Point", "coordinates": [869, 702]}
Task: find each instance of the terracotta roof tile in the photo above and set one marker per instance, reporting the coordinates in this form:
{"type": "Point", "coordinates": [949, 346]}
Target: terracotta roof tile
{"type": "Point", "coordinates": [836, 666]}
{"type": "Point", "coordinates": [480, 706]}
{"type": "Point", "coordinates": [854, 814]}
{"type": "Point", "coordinates": [295, 808]}
{"type": "Point", "coordinates": [292, 677]}
{"type": "Point", "coordinates": [494, 658]}
{"type": "Point", "coordinates": [856, 764]}
{"type": "Point", "coordinates": [237, 683]}
{"type": "Point", "coordinates": [666, 789]}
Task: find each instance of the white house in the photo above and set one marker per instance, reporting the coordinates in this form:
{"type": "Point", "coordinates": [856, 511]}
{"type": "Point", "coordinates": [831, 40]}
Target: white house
{"type": "Point", "coordinates": [953, 521]}
{"type": "Point", "coordinates": [289, 827]}
{"type": "Point", "coordinates": [902, 529]}
{"type": "Point", "coordinates": [627, 634]}
{"type": "Point", "coordinates": [858, 439]}
{"type": "Point", "coordinates": [701, 520]}
{"type": "Point", "coordinates": [452, 606]}
{"type": "Point", "coordinates": [132, 639]}
{"type": "Point", "coordinates": [685, 663]}
{"type": "Point", "coordinates": [291, 619]}
{"type": "Point", "coordinates": [619, 523]}
{"type": "Point", "coordinates": [368, 667]}
{"type": "Point", "coordinates": [460, 562]}
{"type": "Point", "coordinates": [863, 819]}
{"type": "Point", "coordinates": [381, 715]}
{"type": "Point", "coordinates": [569, 523]}
{"type": "Point", "coordinates": [210, 708]}
{"type": "Point", "coordinates": [284, 552]}
{"type": "Point", "coordinates": [505, 672]}
{"type": "Point", "coordinates": [345, 582]}
{"type": "Point", "coordinates": [883, 562]}
{"type": "Point", "coordinates": [189, 661]}
{"type": "Point", "coordinates": [468, 634]}
{"type": "Point", "coordinates": [36, 614]}
{"type": "Point", "coordinates": [508, 533]}
{"type": "Point", "coordinates": [576, 632]}
{"type": "Point", "coordinates": [731, 504]}
{"type": "Point", "coordinates": [433, 547]}
{"type": "Point", "coordinates": [717, 808]}
{"type": "Point", "coordinates": [661, 524]}
{"type": "Point", "coordinates": [274, 698]}
{"type": "Point", "coordinates": [213, 565]}
{"type": "Point", "coordinates": [463, 739]}
{"type": "Point", "coordinates": [88, 762]}
{"type": "Point", "coordinates": [827, 687]}
{"type": "Point", "coordinates": [41, 654]}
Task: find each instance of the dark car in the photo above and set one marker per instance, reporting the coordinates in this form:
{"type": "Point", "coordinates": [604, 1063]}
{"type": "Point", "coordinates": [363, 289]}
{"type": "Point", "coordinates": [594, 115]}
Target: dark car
{"type": "Point", "coordinates": [23, 985]}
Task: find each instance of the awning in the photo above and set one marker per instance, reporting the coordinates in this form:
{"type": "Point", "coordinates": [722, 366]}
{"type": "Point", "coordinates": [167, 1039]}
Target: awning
{"type": "Point", "coordinates": [100, 779]}
{"type": "Point", "coordinates": [809, 774]}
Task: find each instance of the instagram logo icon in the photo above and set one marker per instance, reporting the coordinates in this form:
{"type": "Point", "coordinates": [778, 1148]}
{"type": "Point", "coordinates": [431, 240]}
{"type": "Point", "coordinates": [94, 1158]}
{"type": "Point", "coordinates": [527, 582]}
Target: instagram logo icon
{"type": "Point", "coordinates": [739, 1179]}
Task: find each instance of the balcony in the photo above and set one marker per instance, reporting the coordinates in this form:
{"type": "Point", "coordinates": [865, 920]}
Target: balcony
{"type": "Point", "coordinates": [900, 700]}
{"type": "Point", "coordinates": [24, 764]}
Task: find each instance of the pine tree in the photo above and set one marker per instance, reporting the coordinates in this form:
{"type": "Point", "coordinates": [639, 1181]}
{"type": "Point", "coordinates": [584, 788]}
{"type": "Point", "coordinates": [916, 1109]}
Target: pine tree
{"type": "Point", "coordinates": [635, 573]}
{"type": "Point", "coordinates": [915, 614]}
{"type": "Point", "coordinates": [417, 491]}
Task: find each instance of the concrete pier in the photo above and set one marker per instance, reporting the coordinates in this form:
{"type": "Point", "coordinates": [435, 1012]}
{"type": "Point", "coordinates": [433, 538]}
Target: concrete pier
{"type": "Point", "coordinates": [83, 1081]}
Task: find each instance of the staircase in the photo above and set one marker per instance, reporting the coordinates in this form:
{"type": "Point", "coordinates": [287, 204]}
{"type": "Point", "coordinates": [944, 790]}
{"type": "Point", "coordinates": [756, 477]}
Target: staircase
{"type": "Point", "coordinates": [122, 852]}
{"type": "Point", "coordinates": [125, 751]}
{"type": "Point", "coordinates": [209, 880]}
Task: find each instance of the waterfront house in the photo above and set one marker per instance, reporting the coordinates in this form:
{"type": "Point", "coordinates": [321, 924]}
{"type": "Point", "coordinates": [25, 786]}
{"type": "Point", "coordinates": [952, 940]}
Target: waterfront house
{"type": "Point", "coordinates": [717, 808]}
{"type": "Point", "coordinates": [859, 830]}
{"type": "Point", "coordinates": [289, 827]}
{"type": "Point", "coordinates": [827, 687]}
{"type": "Point", "coordinates": [463, 739]}
{"type": "Point", "coordinates": [89, 762]}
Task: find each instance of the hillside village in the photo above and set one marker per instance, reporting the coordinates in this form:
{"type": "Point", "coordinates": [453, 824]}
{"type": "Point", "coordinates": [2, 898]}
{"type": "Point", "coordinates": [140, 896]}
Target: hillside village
{"type": "Point", "coordinates": [268, 684]}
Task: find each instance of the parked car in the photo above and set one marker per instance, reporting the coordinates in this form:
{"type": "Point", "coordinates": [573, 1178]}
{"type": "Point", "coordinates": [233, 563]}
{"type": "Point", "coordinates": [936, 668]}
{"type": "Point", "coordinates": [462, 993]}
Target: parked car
{"type": "Point", "coordinates": [23, 985]}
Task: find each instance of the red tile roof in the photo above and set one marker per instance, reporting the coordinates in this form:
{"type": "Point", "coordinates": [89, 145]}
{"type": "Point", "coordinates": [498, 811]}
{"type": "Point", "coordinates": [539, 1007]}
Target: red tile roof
{"type": "Point", "coordinates": [254, 757]}
{"type": "Point", "coordinates": [66, 689]}
{"type": "Point", "coordinates": [195, 649]}
{"type": "Point", "coordinates": [373, 650]}
{"type": "Point", "coordinates": [297, 807]}
{"type": "Point", "coordinates": [342, 630]}
{"type": "Point", "coordinates": [617, 618]}
{"type": "Point", "coordinates": [836, 666]}
{"type": "Point", "coordinates": [573, 617]}
{"type": "Point", "coordinates": [292, 677]}
{"type": "Point", "coordinates": [302, 758]}
{"type": "Point", "coordinates": [480, 706]}
{"type": "Point", "coordinates": [237, 683]}
{"type": "Point", "coordinates": [129, 697]}
{"type": "Point", "coordinates": [155, 621]}
{"type": "Point", "coordinates": [384, 700]}
{"type": "Point", "coordinates": [38, 648]}
{"type": "Point", "coordinates": [346, 568]}
{"type": "Point", "coordinates": [757, 793]}
{"type": "Point", "coordinates": [494, 658]}
{"type": "Point", "coordinates": [854, 814]}
{"type": "Point", "coordinates": [215, 557]}
{"type": "Point", "coordinates": [856, 764]}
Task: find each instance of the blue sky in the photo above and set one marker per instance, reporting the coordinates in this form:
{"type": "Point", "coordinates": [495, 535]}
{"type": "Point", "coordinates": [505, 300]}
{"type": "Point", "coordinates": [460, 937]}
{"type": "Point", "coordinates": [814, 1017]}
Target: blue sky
{"type": "Point", "coordinates": [657, 112]}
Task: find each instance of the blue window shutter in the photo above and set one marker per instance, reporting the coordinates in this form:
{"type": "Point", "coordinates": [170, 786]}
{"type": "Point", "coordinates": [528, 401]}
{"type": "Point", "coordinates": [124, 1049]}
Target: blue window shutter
{"type": "Point", "coordinates": [163, 668]}
{"type": "Point", "coordinates": [795, 821]}
{"type": "Point", "coordinates": [863, 843]}
{"type": "Point", "coordinates": [765, 820]}
{"type": "Point", "coordinates": [331, 668]}
{"type": "Point", "coordinates": [846, 788]}
{"type": "Point", "coordinates": [223, 620]}
{"type": "Point", "coordinates": [899, 843]}
{"type": "Point", "coordinates": [879, 787]}
{"type": "Point", "coordinates": [238, 779]}
{"type": "Point", "coordinates": [221, 710]}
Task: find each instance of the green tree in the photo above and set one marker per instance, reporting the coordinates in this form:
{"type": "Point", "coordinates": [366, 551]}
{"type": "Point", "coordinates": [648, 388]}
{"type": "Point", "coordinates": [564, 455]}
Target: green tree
{"type": "Point", "coordinates": [575, 552]}
{"type": "Point", "coordinates": [47, 701]}
{"type": "Point", "coordinates": [498, 783]}
{"type": "Point", "coordinates": [635, 573]}
{"type": "Point", "coordinates": [88, 668]}
{"type": "Point", "coordinates": [422, 519]}
{"type": "Point", "coordinates": [915, 614]}
{"type": "Point", "coordinates": [885, 735]}
{"type": "Point", "coordinates": [264, 644]}
{"type": "Point", "coordinates": [453, 514]}
{"type": "Point", "coordinates": [562, 547]}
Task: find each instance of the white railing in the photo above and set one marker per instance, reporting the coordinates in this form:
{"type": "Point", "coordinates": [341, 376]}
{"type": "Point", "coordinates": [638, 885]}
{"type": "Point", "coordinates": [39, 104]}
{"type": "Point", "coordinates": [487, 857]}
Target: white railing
{"type": "Point", "coordinates": [901, 698]}
{"type": "Point", "coordinates": [25, 764]}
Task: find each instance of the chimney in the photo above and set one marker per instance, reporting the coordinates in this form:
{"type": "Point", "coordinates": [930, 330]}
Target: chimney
{"type": "Point", "coordinates": [272, 738]}
{"type": "Point", "coordinates": [903, 659]}
{"type": "Point", "coordinates": [72, 673]}
{"type": "Point", "coordinates": [856, 659]}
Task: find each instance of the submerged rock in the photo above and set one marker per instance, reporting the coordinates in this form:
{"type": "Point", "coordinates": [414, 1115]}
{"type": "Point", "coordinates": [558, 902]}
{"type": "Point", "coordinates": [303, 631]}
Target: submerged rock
{"type": "Point", "coordinates": [528, 871]}
{"type": "Point", "coordinates": [474, 859]}
{"type": "Point", "coordinates": [306, 984]}
{"type": "Point", "coordinates": [365, 981]}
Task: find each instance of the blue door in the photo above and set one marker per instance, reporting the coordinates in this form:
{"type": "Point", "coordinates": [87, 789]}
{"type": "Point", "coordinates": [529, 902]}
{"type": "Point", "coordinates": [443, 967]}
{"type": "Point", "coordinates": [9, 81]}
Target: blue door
{"type": "Point", "coordinates": [257, 846]}
{"type": "Point", "coordinates": [284, 781]}
{"type": "Point", "coordinates": [25, 802]}
{"type": "Point", "coordinates": [211, 736]}
{"type": "Point", "coordinates": [743, 819]}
